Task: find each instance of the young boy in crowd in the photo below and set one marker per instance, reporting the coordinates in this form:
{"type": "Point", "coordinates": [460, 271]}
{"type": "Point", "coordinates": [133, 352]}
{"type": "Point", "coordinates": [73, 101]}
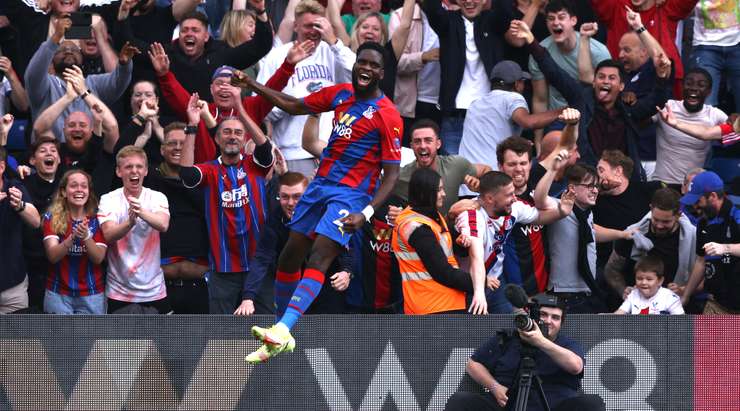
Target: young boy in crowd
{"type": "Point", "coordinates": [648, 297]}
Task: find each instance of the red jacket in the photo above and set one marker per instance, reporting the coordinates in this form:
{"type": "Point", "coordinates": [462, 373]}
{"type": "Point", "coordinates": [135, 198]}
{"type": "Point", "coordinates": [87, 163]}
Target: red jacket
{"type": "Point", "coordinates": [661, 22]}
{"type": "Point", "coordinates": [256, 107]}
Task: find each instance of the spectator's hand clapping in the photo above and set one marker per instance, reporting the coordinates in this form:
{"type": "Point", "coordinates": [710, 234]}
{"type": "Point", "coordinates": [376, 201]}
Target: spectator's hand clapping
{"type": "Point", "coordinates": [81, 230]}
{"type": "Point", "coordinates": [633, 18]}
{"type": "Point", "coordinates": [134, 206]}
{"type": "Point", "coordinates": [160, 60]}
{"type": "Point", "coordinates": [570, 116]}
{"type": "Point", "coordinates": [340, 280]}
{"type": "Point", "coordinates": [245, 308]}
{"type": "Point", "coordinates": [300, 51]}
{"type": "Point", "coordinates": [520, 30]}
{"type": "Point", "coordinates": [127, 52]}
{"type": "Point", "coordinates": [74, 76]}
{"type": "Point", "coordinates": [323, 26]}
{"type": "Point", "coordinates": [149, 108]}
{"type": "Point", "coordinates": [589, 29]}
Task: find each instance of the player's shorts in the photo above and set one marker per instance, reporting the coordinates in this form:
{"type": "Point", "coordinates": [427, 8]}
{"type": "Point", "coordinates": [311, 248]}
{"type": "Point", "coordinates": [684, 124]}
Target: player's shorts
{"type": "Point", "coordinates": [322, 206]}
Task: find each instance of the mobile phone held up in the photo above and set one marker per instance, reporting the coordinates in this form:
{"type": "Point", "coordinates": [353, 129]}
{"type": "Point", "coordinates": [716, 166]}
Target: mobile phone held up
{"type": "Point", "coordinates": [81, 26]}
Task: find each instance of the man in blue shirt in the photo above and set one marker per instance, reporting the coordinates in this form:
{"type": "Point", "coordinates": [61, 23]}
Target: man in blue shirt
{"type": "Point", "coordinates": [559, 364]}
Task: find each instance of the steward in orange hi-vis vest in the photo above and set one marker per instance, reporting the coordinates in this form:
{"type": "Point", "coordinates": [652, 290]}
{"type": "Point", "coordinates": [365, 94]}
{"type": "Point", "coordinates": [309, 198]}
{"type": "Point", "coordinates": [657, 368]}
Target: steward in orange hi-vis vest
{"type": "Point", "coordinates": [421, 293]}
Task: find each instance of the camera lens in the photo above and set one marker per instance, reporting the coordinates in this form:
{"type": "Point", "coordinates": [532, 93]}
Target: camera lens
{"type": "Point", "coordinates": [523, 322]}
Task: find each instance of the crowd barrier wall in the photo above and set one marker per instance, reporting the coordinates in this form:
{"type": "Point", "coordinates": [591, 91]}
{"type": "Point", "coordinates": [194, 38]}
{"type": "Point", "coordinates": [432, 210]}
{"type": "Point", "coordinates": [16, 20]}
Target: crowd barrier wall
{"type": "Point", "coordinates": [346, 362]}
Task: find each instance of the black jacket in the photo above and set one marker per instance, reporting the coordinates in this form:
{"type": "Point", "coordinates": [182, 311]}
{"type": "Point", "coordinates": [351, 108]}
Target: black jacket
{"type": "Point", "coordinates": [581, 97]}
{"type": "Point", "coordinates": [489, 28]}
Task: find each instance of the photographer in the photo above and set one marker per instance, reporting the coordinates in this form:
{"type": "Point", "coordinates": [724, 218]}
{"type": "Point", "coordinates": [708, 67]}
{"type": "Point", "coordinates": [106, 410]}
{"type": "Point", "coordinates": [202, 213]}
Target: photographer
{"type": "Point", "coordinates": [559, 364]}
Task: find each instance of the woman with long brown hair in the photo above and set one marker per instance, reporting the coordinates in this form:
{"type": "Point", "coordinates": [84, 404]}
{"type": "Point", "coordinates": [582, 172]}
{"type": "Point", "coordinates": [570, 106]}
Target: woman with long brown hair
{"type": "Point", "coordinates": [75, 248]}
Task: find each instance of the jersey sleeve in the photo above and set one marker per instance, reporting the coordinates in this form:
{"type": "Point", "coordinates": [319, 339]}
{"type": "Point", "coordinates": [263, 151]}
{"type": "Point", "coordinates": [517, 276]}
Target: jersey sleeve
{"type": "Point", "coordinates": [391, 131]}
{"type": "Point", "coordinates": [675, 307]}
{"type": "Point", "coordinates": [524, 213]}
{"type": "Point", "coordinates": [46, 226]}
{"type": "Point", "coordinates": [324, 99]}
{"type": "Point", "coordinates": [160, 204]}
{"type": "Point", "coordinates": [467, 223]}
{"type": "Point", "coordinates": [207, 171]}
{"type": "Point", "coordinates": [106, 210]}
{"type": "Point", "coordinates": [98, 235]}
{"type": "Point", "coordinates": [627, 305]}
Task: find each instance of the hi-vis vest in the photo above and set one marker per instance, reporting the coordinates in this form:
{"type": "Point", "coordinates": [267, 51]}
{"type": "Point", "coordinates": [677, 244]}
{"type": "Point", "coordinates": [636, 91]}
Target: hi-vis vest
{"type": "Point", "coordinates": [421, 294]}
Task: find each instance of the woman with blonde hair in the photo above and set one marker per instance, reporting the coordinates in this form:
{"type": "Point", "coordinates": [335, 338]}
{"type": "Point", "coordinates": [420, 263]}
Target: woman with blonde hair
{"type": "Point", "coordinates": [368, 27]}
{"type": "Point", "coordinates": [75, 248]}
{"type": "Point", "coordinates": [237, 27]}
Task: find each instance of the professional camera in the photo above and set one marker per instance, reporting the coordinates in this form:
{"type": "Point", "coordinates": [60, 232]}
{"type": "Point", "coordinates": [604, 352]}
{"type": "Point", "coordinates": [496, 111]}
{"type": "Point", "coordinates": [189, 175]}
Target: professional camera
{"type": "Point", "coordinates": [525, 321]}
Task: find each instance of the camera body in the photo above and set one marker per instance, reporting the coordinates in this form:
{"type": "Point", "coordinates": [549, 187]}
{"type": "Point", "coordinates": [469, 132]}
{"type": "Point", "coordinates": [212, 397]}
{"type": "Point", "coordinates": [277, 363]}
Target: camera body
{"type": "Point", "coordinates": [526, 321]}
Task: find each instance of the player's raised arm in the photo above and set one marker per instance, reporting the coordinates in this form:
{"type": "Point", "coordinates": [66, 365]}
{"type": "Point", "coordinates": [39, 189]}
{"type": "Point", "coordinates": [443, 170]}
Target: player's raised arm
{"type": "Point", "coordinates": [288, 103]}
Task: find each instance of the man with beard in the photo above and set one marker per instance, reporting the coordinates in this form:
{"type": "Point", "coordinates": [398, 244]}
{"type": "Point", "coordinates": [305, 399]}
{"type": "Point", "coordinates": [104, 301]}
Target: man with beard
{"type": "Point", "coordinates": [717, 249]}
{"type": "Point", "coordinates": [573, 243]}
{"type": "Point", "coordinates": [366, 137]}
{"type": "Point", "coordinates": [678, 152]}
{"type": "Point", "coordinates": [89, 141]}
{"type": "Point", "coordinates": [664, 232]}
{"type": "Point", "coordinates": [235, 200]}
{"type": "Point", "coordinates": [225, 96]}
{"type": "Point", "coordinates": [454, 170]}
{"type": "Point", "coordinates": [63, 55]}
{"type": "Point", "coordinates": [184, 247]}
{"type": "Point", "coordinates": [606, 122]}
{"type": "Point", "coordinates": [621, 202]}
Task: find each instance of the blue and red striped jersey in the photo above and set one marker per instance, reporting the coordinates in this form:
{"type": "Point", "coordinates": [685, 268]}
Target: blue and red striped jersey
{"type": "Point", "coordinates": [365, 134]}
{"type": "Point", "coordinates": [235, 209]}
{"type": "Point", "coordinates": [75, 275]}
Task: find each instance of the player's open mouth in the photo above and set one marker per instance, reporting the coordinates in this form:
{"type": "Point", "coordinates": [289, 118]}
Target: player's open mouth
{"type": "Point", "coordinates": [604, 92]}
{"type": "Point", "coordinates": [363, 79]}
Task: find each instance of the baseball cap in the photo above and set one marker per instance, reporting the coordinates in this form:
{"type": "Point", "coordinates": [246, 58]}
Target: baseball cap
{"type": "Point", "coordinates": [223, 71]}
{"type": "Point", "coordinates": [508, 72]}
{"type": "Point", "coordinates": [703, 183]}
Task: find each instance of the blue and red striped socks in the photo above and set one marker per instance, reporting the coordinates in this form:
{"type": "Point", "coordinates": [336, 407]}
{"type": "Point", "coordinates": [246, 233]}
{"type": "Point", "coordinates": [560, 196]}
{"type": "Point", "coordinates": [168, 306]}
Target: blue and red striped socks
{"type": "Point", "coordinates": [285, 284]}
{"type": "Point", "coordinates": [306, 291]}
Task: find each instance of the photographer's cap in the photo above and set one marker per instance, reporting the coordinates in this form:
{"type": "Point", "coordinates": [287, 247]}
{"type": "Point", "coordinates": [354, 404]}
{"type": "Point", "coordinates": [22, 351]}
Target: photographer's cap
{"type": "Point", "coordinates": [508, 72]}
{"type": "Point", "coordinates": [547, 300]}
{"type": "Point", "coordinates": [703, 183]}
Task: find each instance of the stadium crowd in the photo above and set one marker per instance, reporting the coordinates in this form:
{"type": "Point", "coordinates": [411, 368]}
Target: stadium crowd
{"type": "Point", "coordinates": [580, 148]}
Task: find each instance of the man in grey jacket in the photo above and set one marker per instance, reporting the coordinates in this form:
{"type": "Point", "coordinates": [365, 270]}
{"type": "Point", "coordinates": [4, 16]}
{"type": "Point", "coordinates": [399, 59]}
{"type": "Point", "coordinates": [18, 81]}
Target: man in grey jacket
{"type": "Point", "coordinates": [44, 88]}
{"type": "Point", "coordinates": [663, 232]}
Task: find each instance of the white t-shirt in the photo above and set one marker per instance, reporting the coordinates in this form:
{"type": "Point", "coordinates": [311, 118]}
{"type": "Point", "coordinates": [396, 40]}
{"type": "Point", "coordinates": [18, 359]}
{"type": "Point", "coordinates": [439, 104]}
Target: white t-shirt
{"type": "Point", "coordinates": [134, 266]}
{"type": "Point", "coordinates": [428, 78]}
{"type": "Point", "coordinates": [716, 23]}
{"type": "Point", "coordinates": [494, 231]}
{"type": "Point", "coordinates": [676, 152]}
{"type": "Point", "coordinates": [475, 82]}
{"type": "Point", "coordinates": [329, 65]}
{"type": "Point", "coordinates": [664, 301]}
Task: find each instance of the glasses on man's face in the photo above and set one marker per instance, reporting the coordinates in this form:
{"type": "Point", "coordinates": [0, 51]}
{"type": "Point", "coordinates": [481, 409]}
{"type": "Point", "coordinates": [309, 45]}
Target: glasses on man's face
{"type": "Point", "coordinates": [68, 49]}
{"type": "Point", "coordinates": [589, 186]}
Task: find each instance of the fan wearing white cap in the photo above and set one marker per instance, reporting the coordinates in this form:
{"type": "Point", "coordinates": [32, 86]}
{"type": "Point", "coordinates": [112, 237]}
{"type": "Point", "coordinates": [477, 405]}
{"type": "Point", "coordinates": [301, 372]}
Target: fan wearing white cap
{"type": "Point", "coordinates": [500, 114]}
